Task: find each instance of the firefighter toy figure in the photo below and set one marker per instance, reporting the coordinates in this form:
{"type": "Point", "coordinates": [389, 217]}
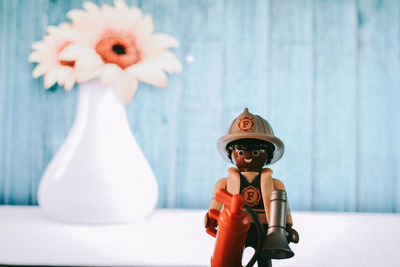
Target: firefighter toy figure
{"type": "Point", "coordinates": [250, 145]}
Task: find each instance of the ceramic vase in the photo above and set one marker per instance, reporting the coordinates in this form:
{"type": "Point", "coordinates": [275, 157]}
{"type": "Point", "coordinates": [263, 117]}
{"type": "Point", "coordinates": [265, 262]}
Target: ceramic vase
{"type": "Point", "coordinates": [100, 174]}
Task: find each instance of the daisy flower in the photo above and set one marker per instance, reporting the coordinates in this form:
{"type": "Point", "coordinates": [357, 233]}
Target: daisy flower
{"type": "Point", "coordinates": [117, 44]}
{"type": "Point", "coordinates": [47, 54]}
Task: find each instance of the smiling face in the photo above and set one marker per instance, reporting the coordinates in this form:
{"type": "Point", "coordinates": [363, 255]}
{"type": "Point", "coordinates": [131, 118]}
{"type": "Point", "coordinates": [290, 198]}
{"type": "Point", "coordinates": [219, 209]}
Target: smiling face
{"type": "Point", "coordinates": [249, 160]}
{"type": "Point", "coordinates": [250, 154]}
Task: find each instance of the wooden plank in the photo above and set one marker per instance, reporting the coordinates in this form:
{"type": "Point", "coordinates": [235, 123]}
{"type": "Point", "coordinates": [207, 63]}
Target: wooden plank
{"type": "Point", "coordinates": [30, 137]}
{"type": "Point", "coordinates": [3, 30]}
{"type": "Point", "coordinates": [16, 183]}
{"type": "Point", "coordinates": [199, 105]}
{"type": "Point", "coordinates": [244, 49]}
{"type": "Point", "coordinates": [152, 112]}
{"type": "Point", "coordinates": [289, 97]}
{"type": "Point", "coordinates": [246, 59]}
{"type": "Point", "coordinates": [37, 111]}
{"type": "Point", "coordinates": [29, 98]}
{"type": "Point", "coordinates": [58, 105]}
{"type": "Point", "coordinates": [379, 100]}
{"type": "Point", "coordinates": [335, 106]}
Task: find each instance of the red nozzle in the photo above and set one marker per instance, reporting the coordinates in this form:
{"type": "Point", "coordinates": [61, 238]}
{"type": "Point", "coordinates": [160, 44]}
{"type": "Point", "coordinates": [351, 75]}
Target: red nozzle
{"type": "Point", "coordinates": [233, 202]}
{"type": "Point", "coordinates": [223, 197]}
{"type": "Point", "coordinates": [236, 203]}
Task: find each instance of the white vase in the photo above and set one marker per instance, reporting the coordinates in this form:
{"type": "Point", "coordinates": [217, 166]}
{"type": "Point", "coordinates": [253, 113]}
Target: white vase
{"type": "Point", "coordinates": [99, 175]}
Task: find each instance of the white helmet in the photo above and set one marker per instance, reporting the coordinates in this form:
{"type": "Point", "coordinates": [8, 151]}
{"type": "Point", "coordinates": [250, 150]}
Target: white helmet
{"type": "Point", "coordinates": [249, 126]}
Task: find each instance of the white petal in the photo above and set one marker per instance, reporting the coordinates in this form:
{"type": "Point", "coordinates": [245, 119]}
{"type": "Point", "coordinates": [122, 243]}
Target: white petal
{"type": "Point", "coordinates": [69, 83]}
{"type": "Point", "coordinates": [127, 87]}
{"type": "Point", "coordinates": [37, 45]}
{"type": "Point", "coordinates": [49, 79]}
{"type": "Point", "coordinates": [164, 40]}
{"type": "Point", "coordinates": [38, 71]}
{"type": "Point", "coordinates": [88, 67]}
{"type": "Point", "coordinates": [107, 10]}
{"type": "Point", "coordinates": [120, 4]}
{"type": "Point", "coordinates": [35, 56]}
{"type": "Point", "coordinates": [62, 75]}
{"type": "Point", "coordinates": [134, 14]}
{"type": "Point", "coordinates": [75, 14]}
{"type": "Point", "coordinates": [65, 26]}
{"type": "Point", "coordinates": [166, 61]}
{"type": "Point", "coordinates": [91, 7]}
{"type": "Point", "coordinates": [148, 74]}
{"type": "Point", "coordinates": [88, 74]}
{"type": "Point", "coordinates": [145, 28]}
{"type": "Point", "coordinates": [72, 52]}
{"type": "Point", "coordinates": [51, 29]}
{"type": "Point", "coordinates": [110, 74]}
{"type": "Point", "coordinates": [169, 62]}
{"type": "Point", "coordinates": [89, 61]}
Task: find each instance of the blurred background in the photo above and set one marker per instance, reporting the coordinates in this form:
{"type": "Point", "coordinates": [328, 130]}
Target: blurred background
{"type": "Point", "coordinates": [324, 73]}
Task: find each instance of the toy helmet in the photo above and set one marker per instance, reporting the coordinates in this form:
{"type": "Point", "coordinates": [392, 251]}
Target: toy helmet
{"type": "Point", "coordinates": [249, 126]}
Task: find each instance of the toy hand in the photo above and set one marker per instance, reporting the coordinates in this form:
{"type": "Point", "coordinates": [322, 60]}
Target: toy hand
{"type": "Point", "coordinates": [293, 235]}
{"type": "Point", "coordinates": [208, 222]}
{"type": "Point", "coordinates": [211, 223]}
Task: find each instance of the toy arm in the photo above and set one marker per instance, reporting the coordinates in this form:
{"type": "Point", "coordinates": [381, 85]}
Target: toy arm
{"type": "Point", "coordinates": [214, 203]}
{"type": "Point", "coordinates": [215, 206]}
{"type": "Point", "coordinates": [278, 185]}
{"type": "Point", "coordinates": [293, 235]}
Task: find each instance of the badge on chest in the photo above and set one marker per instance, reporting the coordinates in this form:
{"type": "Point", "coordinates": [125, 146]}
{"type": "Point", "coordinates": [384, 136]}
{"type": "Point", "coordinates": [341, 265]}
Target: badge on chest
{"type": "Point", "coordinates": [251, 196]}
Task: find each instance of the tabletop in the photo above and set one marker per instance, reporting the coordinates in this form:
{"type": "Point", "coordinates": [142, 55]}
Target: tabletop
{"type": "Point", "coordinates": [178, 238]}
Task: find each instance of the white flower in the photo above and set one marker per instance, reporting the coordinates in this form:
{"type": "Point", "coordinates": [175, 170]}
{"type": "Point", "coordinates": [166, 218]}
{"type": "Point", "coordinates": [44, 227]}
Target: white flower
{"type": "Point", "coordinates": [46, 53]}
{"type": "Point", "coordinates": [118, 45]}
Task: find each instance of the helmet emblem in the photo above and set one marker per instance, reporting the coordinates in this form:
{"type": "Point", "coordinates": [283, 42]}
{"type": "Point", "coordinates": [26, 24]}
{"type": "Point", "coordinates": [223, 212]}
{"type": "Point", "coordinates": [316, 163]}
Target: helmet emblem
{"type": "Point", "coordinates": [246, 124]}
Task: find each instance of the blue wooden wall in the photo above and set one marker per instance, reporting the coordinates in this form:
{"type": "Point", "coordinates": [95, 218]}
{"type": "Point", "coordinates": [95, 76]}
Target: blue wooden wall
{"type": "Point", "coordinates": [325, 74]}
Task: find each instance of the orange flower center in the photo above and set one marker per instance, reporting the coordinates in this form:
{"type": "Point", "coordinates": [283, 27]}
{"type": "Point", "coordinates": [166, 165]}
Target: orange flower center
{"type": "Point", "coordinates": [65, 62]}
{"type": "Point", "coordinates": [118, 48]}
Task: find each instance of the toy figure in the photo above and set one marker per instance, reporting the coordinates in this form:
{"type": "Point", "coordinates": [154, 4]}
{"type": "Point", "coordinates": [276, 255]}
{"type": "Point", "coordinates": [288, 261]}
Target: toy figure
{"type": "Point", "coordinates": [251, 144]}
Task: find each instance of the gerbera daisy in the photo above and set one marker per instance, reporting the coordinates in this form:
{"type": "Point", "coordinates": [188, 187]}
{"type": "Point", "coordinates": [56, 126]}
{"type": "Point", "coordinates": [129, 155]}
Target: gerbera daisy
{"type": "Point", "coordinates": [46, 53]}
{"type": "Point", "coordinates": [118, 45]}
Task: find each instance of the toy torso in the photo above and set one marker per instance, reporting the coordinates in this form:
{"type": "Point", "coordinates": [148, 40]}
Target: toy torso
{"type": "Point", "coordinates": [232, 183]}
{"type": "Point", "coordinates": [256, 189]}
{"type": "Point", "coordinates": [251, 192]}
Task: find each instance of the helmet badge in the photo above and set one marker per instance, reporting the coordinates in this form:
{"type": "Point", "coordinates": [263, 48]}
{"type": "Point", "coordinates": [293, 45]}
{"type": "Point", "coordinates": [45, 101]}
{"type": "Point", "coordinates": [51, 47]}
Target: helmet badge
{"type": "Point", "coordinates": [246, 124]}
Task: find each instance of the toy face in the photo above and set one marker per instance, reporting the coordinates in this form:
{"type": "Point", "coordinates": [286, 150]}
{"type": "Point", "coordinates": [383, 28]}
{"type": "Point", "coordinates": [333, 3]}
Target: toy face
{"type": "Point", "coordinates": [252, 160]}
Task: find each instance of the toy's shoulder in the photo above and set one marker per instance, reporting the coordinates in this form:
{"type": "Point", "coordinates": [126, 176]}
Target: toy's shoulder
{"type": "Point", "coordinates": [221, 183]}
{"type": "Point", "coordinates": [278, 185]}
{"type": "Point", "coordinates": [233, 171]}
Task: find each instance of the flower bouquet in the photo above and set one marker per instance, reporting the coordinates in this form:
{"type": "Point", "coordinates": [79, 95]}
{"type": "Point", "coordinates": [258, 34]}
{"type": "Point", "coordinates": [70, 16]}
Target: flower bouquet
{"type": "Point", "coordinates": [100, 175]}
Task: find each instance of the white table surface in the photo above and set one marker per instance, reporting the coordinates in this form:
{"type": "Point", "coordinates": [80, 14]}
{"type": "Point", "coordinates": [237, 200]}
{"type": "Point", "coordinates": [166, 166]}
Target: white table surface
{"type": "Point", "coordinates": [177, 238]}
